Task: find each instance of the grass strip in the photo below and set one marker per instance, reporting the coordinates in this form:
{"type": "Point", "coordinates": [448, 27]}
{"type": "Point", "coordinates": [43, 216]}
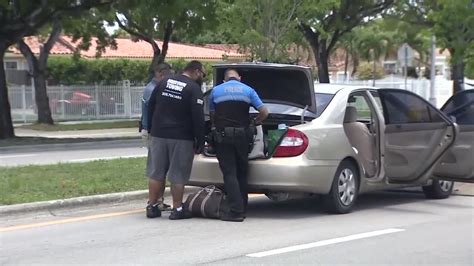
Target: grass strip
{"type": "Point", "coordinates": [16, 141]}
{"type": "Point", "coordinates": [48, 182]}
{"type": "Point", "coordinates": [83, 126]}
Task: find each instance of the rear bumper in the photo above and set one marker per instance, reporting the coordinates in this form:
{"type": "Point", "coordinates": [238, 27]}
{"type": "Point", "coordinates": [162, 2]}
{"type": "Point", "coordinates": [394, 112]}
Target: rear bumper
{"type": "Point", "coordinates": [296, 174]}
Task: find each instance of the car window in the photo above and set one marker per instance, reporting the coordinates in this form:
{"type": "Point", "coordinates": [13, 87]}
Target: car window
{"type": "Point", "coordinates": [377, 100]}
{"type": "Point", "coordinates": [461, 107]}
{"type": "Point", "coordinates": [322, 101]}
{"type": "Point", "coordinates": [363, 110]}
{"type": "Point", "coordinates": [400, 107]}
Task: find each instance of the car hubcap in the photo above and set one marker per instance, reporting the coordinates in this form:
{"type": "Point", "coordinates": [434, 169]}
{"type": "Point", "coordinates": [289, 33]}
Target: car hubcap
{"type": "Point", "coordinates": [445, 185]}
{"type": "Point", "coordinates": [346, 186]}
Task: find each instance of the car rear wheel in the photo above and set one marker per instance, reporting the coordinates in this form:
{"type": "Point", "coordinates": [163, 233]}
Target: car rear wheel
{"type": "Point", "coordinates": [344, 189]}
{"type": "Point", "coordinates": [439, 189]}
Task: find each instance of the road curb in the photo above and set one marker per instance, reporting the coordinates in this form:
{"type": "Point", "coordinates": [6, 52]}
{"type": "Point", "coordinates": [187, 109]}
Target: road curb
{"type": "Point", "coordinates": [52, 205]}
{"type": "Point", "coordinates": [71, 146]}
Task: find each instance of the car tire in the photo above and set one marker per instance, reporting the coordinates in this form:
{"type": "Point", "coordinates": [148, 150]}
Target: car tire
{"type": "Point", "coordinates": [344, 189]}
{"type": "Point", "coordinates": [439, 189]}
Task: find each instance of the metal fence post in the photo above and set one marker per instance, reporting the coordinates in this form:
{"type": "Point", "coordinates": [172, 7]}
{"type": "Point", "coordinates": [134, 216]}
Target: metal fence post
{"type": "Point", "coordinates": [61, 92]}
{"type": "Point", "coordinates": [23, 102]}
{"type": "Point", "coordinates": [127, 98]}
{"type": "Point", "coordinates": [97, 104]}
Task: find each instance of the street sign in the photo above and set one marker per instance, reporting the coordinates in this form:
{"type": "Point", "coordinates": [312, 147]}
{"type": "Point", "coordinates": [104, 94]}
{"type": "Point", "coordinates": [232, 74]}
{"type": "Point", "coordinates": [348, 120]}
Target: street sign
{"type": "Point", "coordinates": [406, 55]}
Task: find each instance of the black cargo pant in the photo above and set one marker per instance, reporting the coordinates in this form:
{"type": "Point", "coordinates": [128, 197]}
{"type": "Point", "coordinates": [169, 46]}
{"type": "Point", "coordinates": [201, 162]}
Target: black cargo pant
{"type": "Point", "coordinates": [232, 153]}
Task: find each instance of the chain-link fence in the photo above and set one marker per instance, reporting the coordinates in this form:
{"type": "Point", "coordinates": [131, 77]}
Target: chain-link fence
{"type": "Point", "coordinates": [80, 102]}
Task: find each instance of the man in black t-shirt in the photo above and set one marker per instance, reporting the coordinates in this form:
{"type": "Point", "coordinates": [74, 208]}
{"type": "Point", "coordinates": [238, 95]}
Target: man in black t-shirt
{"type": "Point", "coordinates": [176, 122]}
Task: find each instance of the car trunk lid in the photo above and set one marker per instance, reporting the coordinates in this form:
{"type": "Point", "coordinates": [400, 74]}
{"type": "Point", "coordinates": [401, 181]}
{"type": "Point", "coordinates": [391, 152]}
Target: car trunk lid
{"type": "Point", "coordinates": [275, 83]}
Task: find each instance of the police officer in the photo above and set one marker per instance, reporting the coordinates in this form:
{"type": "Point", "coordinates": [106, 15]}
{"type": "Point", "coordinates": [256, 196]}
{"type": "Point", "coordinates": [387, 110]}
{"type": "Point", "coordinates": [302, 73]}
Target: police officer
{"type": "Point", "coordinates": [160, 71]}
{"type": "Point", "coordinates": [229, 107]}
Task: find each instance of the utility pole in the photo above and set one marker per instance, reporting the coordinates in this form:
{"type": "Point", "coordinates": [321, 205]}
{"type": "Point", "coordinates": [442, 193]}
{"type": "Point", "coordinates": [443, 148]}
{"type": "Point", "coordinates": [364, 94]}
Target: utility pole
{"type": "Point", "coordinates": [406, 66]}
{"type": "Point", "coordinates": [433, 71]}
{"type": "Point", "coordinates": [374, 68]}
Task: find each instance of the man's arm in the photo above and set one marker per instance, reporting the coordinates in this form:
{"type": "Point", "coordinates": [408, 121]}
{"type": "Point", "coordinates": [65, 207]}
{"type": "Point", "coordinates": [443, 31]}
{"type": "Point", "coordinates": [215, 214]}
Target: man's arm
{"type": "Point", "coordinates": [145, 99]}
{"type": "Point", "coordinates": [197, 113]}
{"type": "Point", "coordinates": [262, 114]}
{"type": "Point", "coordinates": [212, 109]}
{"type": "Point", "coordinates": [151, 108]}
{"type": "Point", "coordinates": [258, 104]}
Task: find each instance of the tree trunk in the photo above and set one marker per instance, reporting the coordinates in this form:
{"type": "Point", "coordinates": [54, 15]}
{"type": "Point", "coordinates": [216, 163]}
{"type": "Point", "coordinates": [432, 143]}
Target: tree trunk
{"type": "Point", "coordinates": [166, 39]}
{"type": "Point", "coordinates": [42, 99]}
{"type": "Point", "coordinates": [6, 123]}
{"type": "Point", "coordinates": [355, 64]}
{"type": "Point", "coordinates": [346, 64]}
{"type": "Point", "coordinates": [457, 75]}
{"type": "Point", "coordinates": [159, 56]}
{"type": "Point", "coordinates": [155, 61]}
{"type": "Point", "coordinates": [37, 69]}
{"type": "Point", "coordinates": [321, 58]}
{"type": "Point", "coordinates": [322, 62]}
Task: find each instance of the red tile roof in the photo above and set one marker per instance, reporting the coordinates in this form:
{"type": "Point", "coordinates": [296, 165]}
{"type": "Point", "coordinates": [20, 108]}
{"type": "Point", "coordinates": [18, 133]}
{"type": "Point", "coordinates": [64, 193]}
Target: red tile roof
{"type": "Point", "coordinates": [126, 48]}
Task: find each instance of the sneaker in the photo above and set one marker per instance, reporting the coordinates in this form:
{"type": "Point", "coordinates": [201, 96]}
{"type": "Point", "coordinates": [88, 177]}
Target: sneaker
{"type": "Point", "coordinates": [164, 207]}
{"type": "Point", "coordinates": [232, 217]}
{"type": "Point", "coordinates": [178, 215]}
{"type": "Point", "coordinates": [153, 211]}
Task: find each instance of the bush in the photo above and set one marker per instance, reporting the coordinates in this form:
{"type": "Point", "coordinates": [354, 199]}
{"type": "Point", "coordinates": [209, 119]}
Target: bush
{"type": "Point", "coordinates": [69, 70]}
{"type": "Point", "coordinates": [365, 71]}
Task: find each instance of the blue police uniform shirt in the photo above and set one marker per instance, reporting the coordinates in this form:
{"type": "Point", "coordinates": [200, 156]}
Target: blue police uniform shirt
{"type": "Point", "coordinates": [230, 101]}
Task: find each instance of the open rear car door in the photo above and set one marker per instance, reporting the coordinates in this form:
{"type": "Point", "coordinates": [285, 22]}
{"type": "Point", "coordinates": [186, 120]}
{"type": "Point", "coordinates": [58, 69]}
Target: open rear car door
{"type": "Point", "coordinates": [417, 135]}
{"type": "Point", "coordinates": [458, 162]}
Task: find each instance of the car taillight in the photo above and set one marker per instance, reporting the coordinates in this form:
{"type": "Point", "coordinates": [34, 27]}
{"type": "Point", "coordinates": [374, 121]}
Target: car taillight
{"type": "Point", "coordinates": [293, 144]}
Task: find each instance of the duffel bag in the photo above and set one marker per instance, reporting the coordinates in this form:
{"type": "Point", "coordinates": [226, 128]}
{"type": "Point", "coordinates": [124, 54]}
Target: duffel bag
{"type": "Point", "coordinates": [207, 202]}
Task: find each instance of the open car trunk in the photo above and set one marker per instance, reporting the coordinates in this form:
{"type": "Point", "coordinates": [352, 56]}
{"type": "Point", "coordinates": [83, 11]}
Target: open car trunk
{"type": "Point", "coordinates": [286, 90]}
{"type": "Point", "coordinates": [271, 134]}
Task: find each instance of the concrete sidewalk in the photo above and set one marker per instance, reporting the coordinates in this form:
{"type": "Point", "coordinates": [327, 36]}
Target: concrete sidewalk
{"type": "Point", "coordinates": [463, 189]}
{"type": "Point", "coordinates": [94, 134]}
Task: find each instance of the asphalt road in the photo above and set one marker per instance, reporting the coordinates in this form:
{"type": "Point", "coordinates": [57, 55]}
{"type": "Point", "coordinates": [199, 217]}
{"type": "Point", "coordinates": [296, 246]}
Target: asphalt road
{"type": "Point", "coordinates": [72, 155]}
{"type": "Point", "coordinates": [386, 228]}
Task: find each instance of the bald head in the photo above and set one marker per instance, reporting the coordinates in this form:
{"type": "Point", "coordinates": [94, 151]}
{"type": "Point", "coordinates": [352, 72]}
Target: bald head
{"type": "Point", "coordinates": [231, 73]}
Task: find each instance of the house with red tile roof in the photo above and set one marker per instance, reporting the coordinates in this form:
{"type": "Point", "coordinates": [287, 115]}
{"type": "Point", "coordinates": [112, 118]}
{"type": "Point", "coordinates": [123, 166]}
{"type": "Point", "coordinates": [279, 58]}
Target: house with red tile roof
{"type": "Point", "coordinates": [16, 65]}
{"type": "Point", "coordinates": [126, 49]}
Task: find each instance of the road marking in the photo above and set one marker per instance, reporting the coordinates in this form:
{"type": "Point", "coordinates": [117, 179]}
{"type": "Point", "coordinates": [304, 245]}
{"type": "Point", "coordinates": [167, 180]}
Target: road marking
{"type": "Point", "coordinates": [69, 220]}
{"type": "Point", "coordinates": [17, 156]}
{"type": "Point", "coordinates": [325, 242]}
{"type": "Point", "coordinates": [105, 158]}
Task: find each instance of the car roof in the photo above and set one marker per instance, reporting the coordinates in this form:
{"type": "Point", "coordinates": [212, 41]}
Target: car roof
{"type": "Point", "coordinates": [334, 88]}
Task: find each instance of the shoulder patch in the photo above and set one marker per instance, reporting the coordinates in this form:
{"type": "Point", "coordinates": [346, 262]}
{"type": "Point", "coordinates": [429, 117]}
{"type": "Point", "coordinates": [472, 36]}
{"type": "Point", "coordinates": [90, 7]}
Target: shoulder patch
{"type": "Point", "coordinates": [199, 101]}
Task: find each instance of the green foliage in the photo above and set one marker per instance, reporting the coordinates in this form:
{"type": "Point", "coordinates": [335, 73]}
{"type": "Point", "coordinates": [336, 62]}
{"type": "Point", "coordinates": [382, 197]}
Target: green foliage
{"type": "Point", "coordinates": [452, 22]}
{"type": "Point", "coordinates": [324, 22]}
{"type": "Point", "coordinates": [469, 70]}
{"type": "Point", "coordinates": [264, 28]}
{"type": "Point", "coordinates": [453, 25]}
{"type": "Point", "coordinates": [366, 70]}
{"type": "Point", "coordinates": [149, 20]}
{"type": "Point", "coordinates": [68, 70]}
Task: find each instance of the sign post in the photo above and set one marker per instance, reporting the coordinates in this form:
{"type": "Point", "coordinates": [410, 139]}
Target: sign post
{"type": "Point", "coordinates": [433, 99]}
{"type": "Point", "coordinates": [405, 58]}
